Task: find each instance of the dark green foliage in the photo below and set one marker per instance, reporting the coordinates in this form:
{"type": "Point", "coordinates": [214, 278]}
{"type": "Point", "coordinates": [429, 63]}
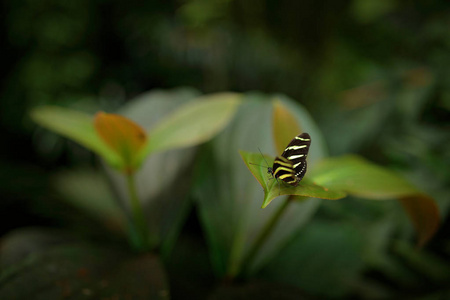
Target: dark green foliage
{"type": "Point", "coordinates": [375, 75]}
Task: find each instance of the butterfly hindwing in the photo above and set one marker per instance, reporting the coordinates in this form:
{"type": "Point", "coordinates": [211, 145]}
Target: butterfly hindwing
{"type": "Point", "coordinates": [282, 169]}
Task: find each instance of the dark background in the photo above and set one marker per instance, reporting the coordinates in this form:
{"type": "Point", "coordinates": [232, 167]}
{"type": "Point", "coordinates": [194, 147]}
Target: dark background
{"type": "Point", "coordinates": [374, 74]}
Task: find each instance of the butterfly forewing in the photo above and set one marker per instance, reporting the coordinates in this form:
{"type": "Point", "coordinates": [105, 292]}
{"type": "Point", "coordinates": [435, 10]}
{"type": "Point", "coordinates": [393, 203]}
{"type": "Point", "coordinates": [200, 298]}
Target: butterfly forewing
{"type": "Point", "coordinates": [291, 165]}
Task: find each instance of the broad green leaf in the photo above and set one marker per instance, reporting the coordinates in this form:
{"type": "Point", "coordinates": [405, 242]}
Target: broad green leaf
{"type": "Point", "coordinates": [273, 188]}
{"type": "Point", "coordinates": [193, 123]}
{"type": "Point", "coordinates": [285, 125]}
{"type": "Point", "coordinates": [359, 177]}
{"type": "Point", "coordinates": [362, 178]}
{"type": "Point", "coordinates": [229, 200]}
{"type": "Point", "coordinates": [76, 126]}
{"type": "Point", "coordinates": [122, 135]}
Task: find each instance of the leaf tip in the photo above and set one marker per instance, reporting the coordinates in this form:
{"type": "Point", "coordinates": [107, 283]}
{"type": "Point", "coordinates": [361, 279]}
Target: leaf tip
{"type": "Point", "coordinates": [424, 214]}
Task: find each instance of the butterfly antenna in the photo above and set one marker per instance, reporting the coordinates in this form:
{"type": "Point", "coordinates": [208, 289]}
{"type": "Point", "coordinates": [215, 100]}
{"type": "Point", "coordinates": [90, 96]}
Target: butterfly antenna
{"type": "Point", "coordinates": [256, 164]}
{"type": "Point", "coordinates": [267, 165]}
{"type": "Point", "coordinates": [263, 157]}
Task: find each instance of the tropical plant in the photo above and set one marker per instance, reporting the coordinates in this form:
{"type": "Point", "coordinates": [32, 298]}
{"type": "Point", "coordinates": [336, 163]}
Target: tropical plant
{"type": "Point", "coordinates": [155, 166]}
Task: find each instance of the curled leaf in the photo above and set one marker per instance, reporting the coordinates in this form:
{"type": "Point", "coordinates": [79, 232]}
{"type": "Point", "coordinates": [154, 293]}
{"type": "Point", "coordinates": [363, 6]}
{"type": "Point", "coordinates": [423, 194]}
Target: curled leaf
{"type": "Point", "coordinates": [424, 214]}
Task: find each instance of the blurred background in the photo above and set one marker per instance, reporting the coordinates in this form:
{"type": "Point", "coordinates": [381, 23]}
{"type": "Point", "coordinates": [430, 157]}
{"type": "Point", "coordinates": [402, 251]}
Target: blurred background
{"type": "Point", "coordinates": [375, 75]}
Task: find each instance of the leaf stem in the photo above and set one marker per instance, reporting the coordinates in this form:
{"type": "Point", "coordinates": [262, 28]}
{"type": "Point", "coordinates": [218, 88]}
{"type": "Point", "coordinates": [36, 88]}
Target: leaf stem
{"type": "Point", "coordinates": [140, 223]}
{"type": "Point", "coordinates": [265, 233]}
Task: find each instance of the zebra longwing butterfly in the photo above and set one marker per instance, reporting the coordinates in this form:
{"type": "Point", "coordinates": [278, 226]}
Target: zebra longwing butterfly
{"type": "Point", "coordinates": [291, 165]}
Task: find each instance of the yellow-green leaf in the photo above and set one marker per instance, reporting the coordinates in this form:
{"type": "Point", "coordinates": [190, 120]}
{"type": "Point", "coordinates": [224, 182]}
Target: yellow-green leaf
{"type": "Point", "coordinates": [76, 126]}
{"type": "Point", "coordinates": [193, 123]}
{"type": "Point", "coordinates": [362, 178]}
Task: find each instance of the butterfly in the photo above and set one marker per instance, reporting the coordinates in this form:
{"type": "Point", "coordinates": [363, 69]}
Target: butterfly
{"type": "Point", "coordinates": [291, 166]}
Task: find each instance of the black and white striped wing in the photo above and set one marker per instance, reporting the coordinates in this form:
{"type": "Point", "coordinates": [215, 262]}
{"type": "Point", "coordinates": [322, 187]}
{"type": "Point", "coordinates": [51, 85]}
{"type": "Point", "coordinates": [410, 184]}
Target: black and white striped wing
{"type": "Point", "coordinates": [296, 153]}
{"type": "Point", "coordinates": [282, 169]}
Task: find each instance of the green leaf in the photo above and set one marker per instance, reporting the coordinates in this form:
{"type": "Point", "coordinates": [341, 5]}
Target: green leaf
{"type": "Point", "coordinates": [362, 178]}
{"type": "Point", "coordinates": [193, 123]}
{"type": "Point", "coordinates": [76, 126]}
{"type": "Point", "coordinates": [272, 189]}
{"type": "Point", "coordinates": [359, 177]}
{"type": "Point", "coordinates": [229, 200]}
{"type": "Point", "coordinates": [334, 178]}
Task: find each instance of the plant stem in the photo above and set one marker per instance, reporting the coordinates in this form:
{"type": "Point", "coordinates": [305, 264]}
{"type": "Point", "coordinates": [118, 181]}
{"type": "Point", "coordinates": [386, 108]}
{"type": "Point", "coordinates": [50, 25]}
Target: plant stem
{"type": "Point", "coordinates": [139, 220]}
{"type": "Point", "coordinates": [265, 233]}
